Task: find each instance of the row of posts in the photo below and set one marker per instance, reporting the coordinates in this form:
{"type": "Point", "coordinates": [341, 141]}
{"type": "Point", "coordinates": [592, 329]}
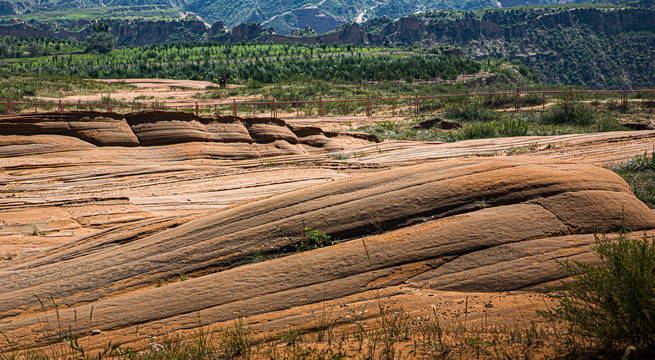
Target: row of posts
{"type": "Point", "coordinates": [368, 105]}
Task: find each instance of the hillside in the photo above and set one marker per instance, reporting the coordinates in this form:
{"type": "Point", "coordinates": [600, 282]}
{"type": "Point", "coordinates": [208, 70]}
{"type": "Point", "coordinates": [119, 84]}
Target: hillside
{"type": "Point", "coordinates": [283, 16]}
{"type": "Point", "coordinates": [587, 45]}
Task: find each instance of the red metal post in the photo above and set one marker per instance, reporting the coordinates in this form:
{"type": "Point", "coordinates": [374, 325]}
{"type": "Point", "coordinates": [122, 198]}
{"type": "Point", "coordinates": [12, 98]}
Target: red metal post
{"type": "Point", "coordinates": [154, 106]}
{"type": "Point", "coordinates": [253, 109]}
{"type": "Point", "coordinates": [393, 107]}
{"type": "Point", "coordinates": [108, 106]}
{"type": "Point", "coordinates": [36, 111]}
{"type": "Point", "coordinates": [368, 106]}
{"type": "Point", "coordinates": [197, 110]}
{"type": "Point", "coordinates": [9, 107]}
{"type": "Point", "coordinates": [416, 105]}
{"type": "Point", "coordinates": [297, 110]}
{"type": "Point", "coordinates": [61, 106]}
{"type": "Point", "coordinates": [344, 108]}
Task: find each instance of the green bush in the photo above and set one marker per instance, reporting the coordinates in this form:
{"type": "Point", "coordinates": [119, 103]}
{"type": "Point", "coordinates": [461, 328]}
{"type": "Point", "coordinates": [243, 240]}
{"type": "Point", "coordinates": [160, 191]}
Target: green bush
{"type": "Point", "coordinates": [569, 111]}
{"type": "Point", "coordinates": [612, 302]}
{"type": "Point", "coordinates": [471, 112]}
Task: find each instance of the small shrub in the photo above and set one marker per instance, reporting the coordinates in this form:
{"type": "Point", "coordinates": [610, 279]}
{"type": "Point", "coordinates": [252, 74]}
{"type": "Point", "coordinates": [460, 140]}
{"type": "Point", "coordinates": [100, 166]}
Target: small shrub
{"type": "Point", "coordinates": [474, 130]}
{"type": "Point", "coordinates": [471, 112]}
{"type": "Point", "coordinates": [311, 239]}
{"type": "Point", "coordinates": [612, 302]}
{"type": "Point", "coordinates": [569, 111]}
{"type": "Point", "coordinates": [513, 127]}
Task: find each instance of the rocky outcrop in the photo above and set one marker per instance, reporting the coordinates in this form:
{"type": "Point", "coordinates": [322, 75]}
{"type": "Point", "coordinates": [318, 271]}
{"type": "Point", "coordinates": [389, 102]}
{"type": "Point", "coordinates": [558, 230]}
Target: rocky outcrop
{"type": "Point", "coordinates": [219, 31]}
{"type": "Point", "coordinates": [19, 28]}
{"type": "Point", "coordinates": [128, 32]}
{"type": "Point", "coordinates": [478, 224]}
{"type": "Point", "coordinates": [224, 136]}
{"type": "Point", "coordinates": [246, 32]}
{"type": "Point", "coordinates": [102, 129]}
{"type": "Point", "coordinates": [141, 33]}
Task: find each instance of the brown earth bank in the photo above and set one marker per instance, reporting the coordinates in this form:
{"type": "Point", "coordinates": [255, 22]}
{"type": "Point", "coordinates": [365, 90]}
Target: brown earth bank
{"type": "Point", "coordinates": [102, 213]}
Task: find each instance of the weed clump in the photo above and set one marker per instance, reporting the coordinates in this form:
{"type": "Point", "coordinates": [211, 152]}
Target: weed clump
{"type": "Point", "coordinates": [613, 302]}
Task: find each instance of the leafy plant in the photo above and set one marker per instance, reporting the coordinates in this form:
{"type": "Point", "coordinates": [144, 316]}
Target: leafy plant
{"type": "Point", "coordinates": [613, 301]}
{"type": "Point", "coordinates": [311, 239]}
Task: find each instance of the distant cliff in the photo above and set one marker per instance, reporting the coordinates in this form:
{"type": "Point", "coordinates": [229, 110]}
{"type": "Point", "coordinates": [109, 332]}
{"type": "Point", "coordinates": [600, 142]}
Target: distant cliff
{"type": "Point", "coordinates": [128, 32]}
{"type": "Point", "coordinates": [588, 46]}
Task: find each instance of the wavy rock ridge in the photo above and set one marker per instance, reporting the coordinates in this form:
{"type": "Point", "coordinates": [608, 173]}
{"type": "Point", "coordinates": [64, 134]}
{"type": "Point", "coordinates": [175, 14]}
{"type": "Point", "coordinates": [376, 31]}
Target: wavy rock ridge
{"type": "Point", "coordinates": [478, 224]}
{"type": "Point", "coordinates": [228, 136]}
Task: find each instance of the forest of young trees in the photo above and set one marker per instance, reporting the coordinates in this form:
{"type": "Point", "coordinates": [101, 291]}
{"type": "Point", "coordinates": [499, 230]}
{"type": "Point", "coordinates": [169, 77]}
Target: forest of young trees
{"type": "Point", "coordinates": [261, 62]}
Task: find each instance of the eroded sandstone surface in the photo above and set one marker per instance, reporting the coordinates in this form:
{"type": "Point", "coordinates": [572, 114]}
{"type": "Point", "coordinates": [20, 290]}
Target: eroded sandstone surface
{"type": "Point", "coordinates": [96, 218]}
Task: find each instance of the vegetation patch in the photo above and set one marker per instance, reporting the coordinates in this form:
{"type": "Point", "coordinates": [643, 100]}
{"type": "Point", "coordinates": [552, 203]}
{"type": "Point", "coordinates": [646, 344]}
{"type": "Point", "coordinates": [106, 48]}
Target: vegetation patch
{"type": "Point", "coordinates": [639, 173]}
{"type": "Point", "coordinates": [612, 302]}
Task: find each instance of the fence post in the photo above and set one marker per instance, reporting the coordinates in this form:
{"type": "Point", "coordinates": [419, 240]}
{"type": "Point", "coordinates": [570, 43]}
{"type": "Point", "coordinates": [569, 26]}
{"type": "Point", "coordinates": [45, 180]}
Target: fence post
{"type": "Point", "coordinates": [154, 106]}
{"type": "Point", "coordinates": [393, 107]}
{"type": "Point", "coordinates": [9, 106]}
{"type": "Point", "coordinates": [234, 107]}
{"type": "Point", "coordinates": [108, 106]}
{"type": "Point", "coordinates": [320, 106]}
{"type": "Point", "coordinates": [344, 108]}
{"type": "Point", "coordinates": [253, 109]}
{"type": "Point", "coordinates": [274, 109]}
{"type": "Point", "coordinates": [61, 106]}
{"type": "Point", "coordinates": [416, 105]}
{"type": "Point", "coordinates": [297, 108]}
{"type": "Point", "coordinates": [215, 109]}
{"type": "Point", "coordinates": [197, 112]}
